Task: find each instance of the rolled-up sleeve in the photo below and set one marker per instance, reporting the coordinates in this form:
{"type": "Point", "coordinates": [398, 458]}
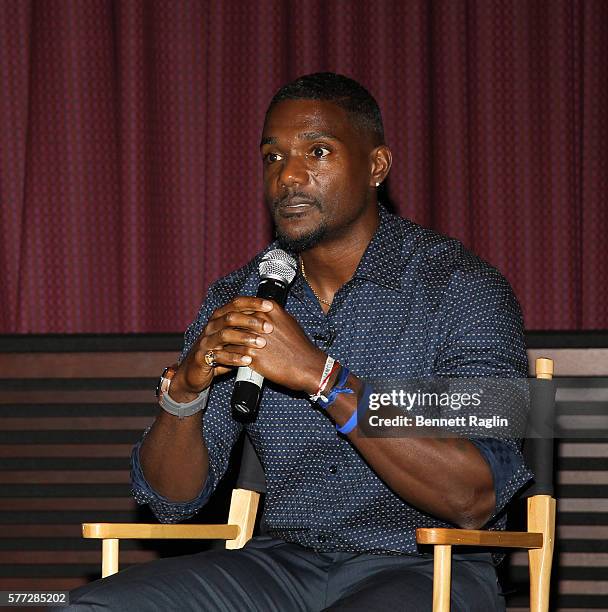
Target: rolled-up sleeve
{"type": "Point", "coordinates": [509, 471]}
{"type": "Point", "coordinates": [483, 337]}
{"type": "Point", "coordinates": [219, 433]}
{"type": "Point", "coordinates": [166, 511]}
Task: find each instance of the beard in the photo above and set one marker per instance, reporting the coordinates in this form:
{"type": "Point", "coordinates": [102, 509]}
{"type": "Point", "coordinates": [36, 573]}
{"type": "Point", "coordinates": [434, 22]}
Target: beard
{"type": "Point", "coordinates": [305, 241]}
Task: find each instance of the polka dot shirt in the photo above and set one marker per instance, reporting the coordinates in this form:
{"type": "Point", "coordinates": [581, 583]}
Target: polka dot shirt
{"type": "Point", "coordinates": [418, 305]}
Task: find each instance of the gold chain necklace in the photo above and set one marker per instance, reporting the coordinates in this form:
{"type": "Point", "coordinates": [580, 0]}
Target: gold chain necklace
{"type": "Point", "coordinates": [311, 287]}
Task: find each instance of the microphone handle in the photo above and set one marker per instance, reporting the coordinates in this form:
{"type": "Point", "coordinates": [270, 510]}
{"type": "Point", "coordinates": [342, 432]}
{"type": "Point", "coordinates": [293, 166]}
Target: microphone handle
{"type": "Point", "coordinates": [247, 390]}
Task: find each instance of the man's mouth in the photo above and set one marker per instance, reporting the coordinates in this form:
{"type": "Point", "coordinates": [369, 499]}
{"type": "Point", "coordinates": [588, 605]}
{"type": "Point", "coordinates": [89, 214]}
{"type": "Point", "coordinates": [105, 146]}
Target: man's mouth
{"type": "Point", "coordinates": [295, 206]}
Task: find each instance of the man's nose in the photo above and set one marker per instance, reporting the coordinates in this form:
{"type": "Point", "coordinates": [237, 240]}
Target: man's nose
{"type": "Point", "coordinates": [293, 172]}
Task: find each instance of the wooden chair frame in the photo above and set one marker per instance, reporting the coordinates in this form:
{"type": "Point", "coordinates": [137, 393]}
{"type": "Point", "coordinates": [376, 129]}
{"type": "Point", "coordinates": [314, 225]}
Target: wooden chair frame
{"type": "Point", "coordinates": [237, 532]}
{"type": "Point", "coordinates": [539, 540]}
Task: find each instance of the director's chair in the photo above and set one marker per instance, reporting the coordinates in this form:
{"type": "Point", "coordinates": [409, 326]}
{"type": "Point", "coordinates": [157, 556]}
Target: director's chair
{"type": "Point", "coordinates": [237, 531]}
{"type": "Point", "coordinates": [539, 538]}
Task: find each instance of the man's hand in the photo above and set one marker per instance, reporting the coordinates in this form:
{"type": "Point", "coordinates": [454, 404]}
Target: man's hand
{"type": "Point", "coordinates": [288, 357]}
{"type": "Point", "coordinates": [230, 332]}
{"type": "Point", "coordinates": [250, 331]}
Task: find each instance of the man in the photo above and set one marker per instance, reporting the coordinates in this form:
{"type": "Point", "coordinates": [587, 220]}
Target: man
{"type": "Point", "coordinates": [386, 299]}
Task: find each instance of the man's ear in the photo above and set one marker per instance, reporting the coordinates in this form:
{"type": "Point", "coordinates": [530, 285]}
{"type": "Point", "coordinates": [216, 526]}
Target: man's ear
{"type": "Point", "coordinates": [381, 159]}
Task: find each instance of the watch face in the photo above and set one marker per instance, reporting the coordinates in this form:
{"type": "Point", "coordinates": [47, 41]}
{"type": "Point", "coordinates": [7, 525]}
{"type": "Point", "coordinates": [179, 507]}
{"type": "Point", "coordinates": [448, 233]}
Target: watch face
{"type": "Point", "coordinates": [163, 381]}
{"type": "Point", "coordinates": [158, 386]}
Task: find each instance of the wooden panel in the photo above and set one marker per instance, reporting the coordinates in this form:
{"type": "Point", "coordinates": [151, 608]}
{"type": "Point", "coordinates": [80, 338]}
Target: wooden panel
{"type": "Point", "coordinates": [576, 449]}
{"type": "Point", "coordinates": [76, 423]}
{"type": "Point", "coordinates": [84, 365]}
{"type": "Point", "coordinates": [583, 587]}
{"type": "Point", "coordinates": [67, 503]}
{"type": "Point", "coordinates": [568, 559]}
{"type": "Point", "coordinates": [78, 414]}
{"type": "Point", "coordinates": [101, 396]}
{"type": "Point", "coordinates": [582, 532]}
{"type": "Point", "coordinates": [51, 477]}
{"type": "Point", "coordinates": [583, 477]}
{"type": "Point", "coordinates": [64, 450]}
{"type": "Point", "coordinates": [40, 531]}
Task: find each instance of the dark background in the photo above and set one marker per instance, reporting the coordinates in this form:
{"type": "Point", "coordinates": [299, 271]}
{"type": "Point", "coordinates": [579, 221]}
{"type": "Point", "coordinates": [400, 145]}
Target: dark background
{"type": "Point", "coordinates": [129, 168]}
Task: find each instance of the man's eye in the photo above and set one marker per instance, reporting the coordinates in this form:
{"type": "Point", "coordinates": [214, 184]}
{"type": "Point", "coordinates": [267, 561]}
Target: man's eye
{"type": "Point", "coordinates": [270, 158]}
{"type": "Point", "coordinates": [320, 152]}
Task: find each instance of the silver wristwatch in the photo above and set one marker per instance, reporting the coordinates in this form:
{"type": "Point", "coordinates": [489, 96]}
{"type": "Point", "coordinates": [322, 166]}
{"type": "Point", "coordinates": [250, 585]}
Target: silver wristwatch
{"type": "Point", "coordinates": [176, 408]}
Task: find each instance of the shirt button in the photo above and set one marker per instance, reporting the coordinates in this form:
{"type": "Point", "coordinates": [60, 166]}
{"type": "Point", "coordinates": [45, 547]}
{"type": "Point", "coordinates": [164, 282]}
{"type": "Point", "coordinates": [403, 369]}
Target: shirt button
{"type": "Point", "coordinates": [333, 469]}
{"type": "Point", "coordinates": [321, 538]}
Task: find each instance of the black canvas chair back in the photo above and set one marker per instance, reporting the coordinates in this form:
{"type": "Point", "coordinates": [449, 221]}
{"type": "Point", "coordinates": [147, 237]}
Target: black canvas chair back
{"type": "Point", "coordinates": [539, 444]}
{"type": "Point", "coordinates": [251, 474]}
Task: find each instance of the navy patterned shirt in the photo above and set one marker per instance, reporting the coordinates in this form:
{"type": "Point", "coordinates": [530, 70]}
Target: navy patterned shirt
{"type": "Point", "coordinates": [418, 305]}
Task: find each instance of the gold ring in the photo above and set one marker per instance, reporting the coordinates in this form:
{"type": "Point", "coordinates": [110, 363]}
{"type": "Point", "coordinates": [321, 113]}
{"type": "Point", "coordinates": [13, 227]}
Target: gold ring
{"type": "Point", "coordinates": [210, 359]}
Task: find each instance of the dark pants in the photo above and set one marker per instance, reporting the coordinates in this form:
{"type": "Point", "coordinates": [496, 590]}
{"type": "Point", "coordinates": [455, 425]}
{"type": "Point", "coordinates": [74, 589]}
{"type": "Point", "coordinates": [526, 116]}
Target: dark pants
{"type": "Point", "coordinates": [270, 575]}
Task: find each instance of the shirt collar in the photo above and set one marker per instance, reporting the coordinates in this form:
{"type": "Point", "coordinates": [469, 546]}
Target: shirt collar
{"type": "Point", "coordinates": [382, 262]}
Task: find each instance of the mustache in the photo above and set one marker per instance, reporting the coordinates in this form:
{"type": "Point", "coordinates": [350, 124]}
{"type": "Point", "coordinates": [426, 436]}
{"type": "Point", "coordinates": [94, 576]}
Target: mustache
{"type": "Point", "coordinates": [287, 199]}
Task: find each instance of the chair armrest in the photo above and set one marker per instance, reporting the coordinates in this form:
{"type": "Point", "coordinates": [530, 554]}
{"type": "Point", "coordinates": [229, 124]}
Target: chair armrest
{"type": "Point", "coordinates": [153, 531]}
{"type": "Point", "coordinates": [479, 537]}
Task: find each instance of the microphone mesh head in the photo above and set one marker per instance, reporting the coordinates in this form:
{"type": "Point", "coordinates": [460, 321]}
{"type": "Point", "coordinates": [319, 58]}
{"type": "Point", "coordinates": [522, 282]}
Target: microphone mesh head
{"type": "Point", "coordinates": [279, 265]}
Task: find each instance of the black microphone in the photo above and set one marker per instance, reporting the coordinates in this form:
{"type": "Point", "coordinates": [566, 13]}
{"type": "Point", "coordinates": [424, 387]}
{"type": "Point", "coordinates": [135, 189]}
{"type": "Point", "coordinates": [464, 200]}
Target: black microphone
{"type": "Point", "coordinates": [277, 271]}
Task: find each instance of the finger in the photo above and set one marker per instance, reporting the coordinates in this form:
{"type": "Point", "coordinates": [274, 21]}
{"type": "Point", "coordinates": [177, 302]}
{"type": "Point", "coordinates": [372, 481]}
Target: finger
{"type": "Point", "coordinates": [238, 337]}
{"type": "Point", "coordinates": [243, 303]}
{"type": "Point", "coordinates": [231, 358]}
{"type": "Point", "coordinates": [219, 358]}
{"type": "Point", "coordinates": [241, 320]}
{"type": "Point", "coordinates": [241, 350]}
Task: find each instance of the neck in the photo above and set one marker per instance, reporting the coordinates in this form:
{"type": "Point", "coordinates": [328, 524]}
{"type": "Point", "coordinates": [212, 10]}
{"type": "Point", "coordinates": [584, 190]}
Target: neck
{"type": "Point", "coordinates": [331, 264]}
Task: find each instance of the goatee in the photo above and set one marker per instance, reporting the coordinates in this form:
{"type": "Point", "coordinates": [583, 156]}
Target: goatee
{"type": "Point", "coordinates": [304, 242]}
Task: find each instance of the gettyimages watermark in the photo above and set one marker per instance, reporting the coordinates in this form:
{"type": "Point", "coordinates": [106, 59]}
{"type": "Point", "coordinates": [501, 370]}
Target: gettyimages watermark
{"type": "Point", "coordinates": [453, 407]}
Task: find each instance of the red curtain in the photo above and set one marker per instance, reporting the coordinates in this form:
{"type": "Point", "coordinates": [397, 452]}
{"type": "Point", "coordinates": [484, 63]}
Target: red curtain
{"type": "Point", "coordinates": [129, 168]}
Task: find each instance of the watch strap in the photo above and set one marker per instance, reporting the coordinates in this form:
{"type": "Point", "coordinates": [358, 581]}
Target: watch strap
{"type": "Point", "coordinates": [184, 410]}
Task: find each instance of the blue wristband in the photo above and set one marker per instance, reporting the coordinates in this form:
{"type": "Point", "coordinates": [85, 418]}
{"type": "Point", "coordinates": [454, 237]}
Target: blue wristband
{"type": "Point", "coordinates": [337, 388]}
{"type": "Point", "coordinates": [362, 406]}
{"type": "Point", "coordinates": [363, 403]}
{"type": "Point", "coordinates": [349, 425]}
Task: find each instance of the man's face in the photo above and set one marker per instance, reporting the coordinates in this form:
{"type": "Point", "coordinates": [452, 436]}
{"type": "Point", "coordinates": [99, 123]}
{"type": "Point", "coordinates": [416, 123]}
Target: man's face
{"type": "Point", "coordinates": [317, 170]}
